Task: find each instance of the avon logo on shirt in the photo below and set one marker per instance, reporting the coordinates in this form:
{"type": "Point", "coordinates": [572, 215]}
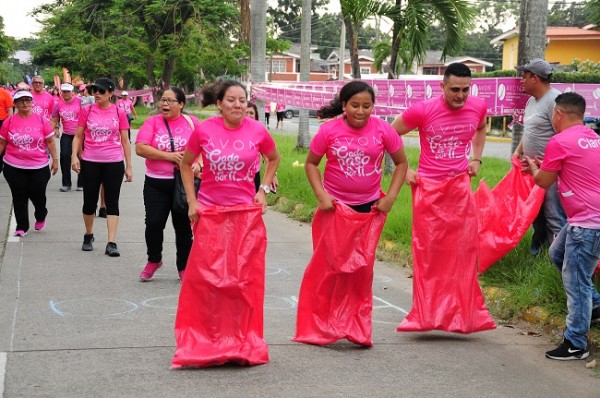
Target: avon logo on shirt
{"type": "Point", "coordinates": [27, 143]}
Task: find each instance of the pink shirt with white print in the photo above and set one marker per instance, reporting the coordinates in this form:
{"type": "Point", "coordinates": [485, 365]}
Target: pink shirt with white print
{"type": "Point", "coordinates": [102, 133]}
{"type": "Point", "coordinates": [231, 159]}
{"type": "Point", "coordinates": [125, 105]}
{"type": "Point", "coordinates": [354, 156]}
{"type": "Point", "coordinates": [68, 112]}
{"type": "Point", "coordinates": [154, 133]}
{"type": "Point", "coordinates": [575, 154]}
{"type": "Point", "coordinates": [43, 104]}
{"type": "Point", "coordinates": [445, 135]}
{"type": "Point", "coordinates": [26, 141]}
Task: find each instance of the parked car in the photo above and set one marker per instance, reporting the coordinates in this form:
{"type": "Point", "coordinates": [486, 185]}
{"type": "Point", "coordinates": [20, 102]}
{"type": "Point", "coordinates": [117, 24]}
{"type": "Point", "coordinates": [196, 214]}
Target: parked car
{"type": "Point", "coordinates": [290, 112]}
{"type": "Point", "coordinates": [593, 123]}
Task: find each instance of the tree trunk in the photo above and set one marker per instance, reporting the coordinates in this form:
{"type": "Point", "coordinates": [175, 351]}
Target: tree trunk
{"type": "Point", "coordinates": [303, 130]}
{"type": "Point", "coordinates": [353, 34]}
{"type": "Point", "coordinates": [532, 42]}
{"type": "Point", "coordinates": [395, 46]}
{"type": "Point", "coordinates": [258, 13]}
{"type": "Point", "coordinates": [245, 20]}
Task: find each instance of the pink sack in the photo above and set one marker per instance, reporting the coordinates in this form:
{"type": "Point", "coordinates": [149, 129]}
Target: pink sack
{"type": "Point", "coordinates": [505, 214]}
{"type": "Point", "coordinates": [336, 298]}
{"type": "Point", "coordinates": [446, 292]}
{"type": "Point", "coordinates": [220, 311]}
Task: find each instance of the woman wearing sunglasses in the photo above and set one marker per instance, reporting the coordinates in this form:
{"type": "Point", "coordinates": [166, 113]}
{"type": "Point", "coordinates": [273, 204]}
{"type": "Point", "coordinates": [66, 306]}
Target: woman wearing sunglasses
{"type": "Point", "coordinates": [101, 140]}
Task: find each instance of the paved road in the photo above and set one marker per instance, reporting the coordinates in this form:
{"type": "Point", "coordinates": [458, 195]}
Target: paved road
{"type": "Point", "coordinates": [79, 324]}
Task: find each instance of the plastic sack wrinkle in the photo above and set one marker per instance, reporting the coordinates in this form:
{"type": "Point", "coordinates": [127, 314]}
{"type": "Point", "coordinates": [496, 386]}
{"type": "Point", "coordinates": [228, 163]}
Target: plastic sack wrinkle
{"type": "Point", "coordinates": [505, 213]}
{"type": "Point", "coordinates": [220, 311]}
{"type": "Point", "coordinates": [336, 299]}
{"type": "Point", "coordinates": [446, 292]}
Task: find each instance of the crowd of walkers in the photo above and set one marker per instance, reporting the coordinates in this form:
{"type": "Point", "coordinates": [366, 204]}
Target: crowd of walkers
{"type": "Point", "coordinates": [226, 153]}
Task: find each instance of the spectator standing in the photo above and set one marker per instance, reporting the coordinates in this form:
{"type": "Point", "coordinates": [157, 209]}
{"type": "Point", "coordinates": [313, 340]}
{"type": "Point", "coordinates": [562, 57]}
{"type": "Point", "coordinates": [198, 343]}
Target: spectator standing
{"type": "Point", "coordinates": [280, 108]}
{"type": "Point", "coordinates": [66, 113]}
{"type": "Point", "coordinates": [127, 106]}
{"type": "Point", "coordinates": [101, 138]}
{"type": "Point", "coordinates": [43, 102]}
{"type": "Point", "coordinates": [6, 110]}
{"type": "Point", "coordinates": [537, 131]}
{"type": "Point", "coordinates": [27, 139]}
{"type": "Point", "coordinates": [85, 95]}
{"type": "Point", "coordinates": [572, 157]}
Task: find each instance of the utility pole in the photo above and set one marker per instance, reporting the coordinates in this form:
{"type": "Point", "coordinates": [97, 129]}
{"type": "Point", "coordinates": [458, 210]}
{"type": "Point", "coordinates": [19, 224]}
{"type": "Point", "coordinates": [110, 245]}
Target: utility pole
{"type": "Point", "coordinates": [258, 46]}
{"type": "Point", "coordinates": [532, 42]}
{"type": "Point", "coordinates": [303, 130]}
{"type": "Point", "coordinates": [342, 51]}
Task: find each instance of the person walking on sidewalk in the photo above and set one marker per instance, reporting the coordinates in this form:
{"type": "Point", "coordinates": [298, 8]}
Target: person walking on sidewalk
{"type": "Point", "coordinates": [6, 110]}
{"type": "Point", "coordinates": [26, 137]}
{"type": "Point", "coordinates": [101, 138]}
{"type": "Point", "coordinates": [66, 112]}
{"type": "Point", "coordinates": [537, 131]}
{"type": "Point", "coordinates": [43, 102]}
{"type": "Point", "coordinates": [127, 106]}
{"type": "Point", "coordinates": [571, 158]}
{"type": "Point", "coordinates": [153, 142]}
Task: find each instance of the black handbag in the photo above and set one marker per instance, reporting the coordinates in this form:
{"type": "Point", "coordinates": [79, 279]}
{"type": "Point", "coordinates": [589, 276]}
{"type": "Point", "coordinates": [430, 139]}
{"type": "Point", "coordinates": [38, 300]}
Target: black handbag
{"type": "Point", "coordinates": [180, 203]}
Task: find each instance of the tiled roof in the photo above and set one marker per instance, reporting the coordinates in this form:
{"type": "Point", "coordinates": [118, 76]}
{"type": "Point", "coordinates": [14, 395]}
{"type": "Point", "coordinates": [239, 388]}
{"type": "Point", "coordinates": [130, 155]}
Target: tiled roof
{"type": "Point", "coordinates": [555, 32]}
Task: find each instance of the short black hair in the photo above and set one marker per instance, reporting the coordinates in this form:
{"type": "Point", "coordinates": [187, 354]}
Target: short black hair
{"type": "Point", "coordinates": [457, 69]}
{"type": "Point", "coordinates": [571, 103]}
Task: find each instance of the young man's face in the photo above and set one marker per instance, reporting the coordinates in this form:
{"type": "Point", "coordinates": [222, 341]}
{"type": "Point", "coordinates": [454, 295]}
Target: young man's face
{"type": "Point", "coordinates": [456, 91]}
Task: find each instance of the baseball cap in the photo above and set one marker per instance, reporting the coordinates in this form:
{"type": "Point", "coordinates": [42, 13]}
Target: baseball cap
{"type": "Point", "coordinates": [66, 87]}
{"type": "Point", "coordinates": [22, 94]}
{"type": "Point", "coordinates": [124, 93]}
{"type": "Point", "coordinates": [538, 67]}
{"type": "Point", "coordinates": [104, 83]}
{"type": "Point", "coordinates": [82, 87]}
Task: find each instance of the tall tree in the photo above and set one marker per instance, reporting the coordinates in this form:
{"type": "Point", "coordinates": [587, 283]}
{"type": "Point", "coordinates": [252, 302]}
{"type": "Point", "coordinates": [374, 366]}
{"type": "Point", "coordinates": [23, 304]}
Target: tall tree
{"type": "Point", "coordinates": [258, 35]}
{"type": "Point", "coordinates": [286, 18]}
{"type": "Point", "coordinates": [592, 9]}
{"type": "Point", "coordinates": [567, 14]}
{"type": "Point", "coordinates": [410, 29]}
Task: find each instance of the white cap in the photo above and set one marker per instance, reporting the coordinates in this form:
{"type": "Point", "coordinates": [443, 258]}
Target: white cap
{"type": "Point", "coordinates": [21, 94]}
{"type": "Point", "coordinates": [66, 87]}
{"type": "Point", "coordinates": [123, 93]}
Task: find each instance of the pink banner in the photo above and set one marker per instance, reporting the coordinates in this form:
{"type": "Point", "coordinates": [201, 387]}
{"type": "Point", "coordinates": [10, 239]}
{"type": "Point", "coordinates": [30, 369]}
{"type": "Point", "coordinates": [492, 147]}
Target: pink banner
{"type": "Point", "coordinates": [503, 96]}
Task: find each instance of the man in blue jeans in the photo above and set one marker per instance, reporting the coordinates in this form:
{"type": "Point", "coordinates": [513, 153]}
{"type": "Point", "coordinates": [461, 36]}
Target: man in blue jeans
{"type": "Point", "coordinates": [572, 158]}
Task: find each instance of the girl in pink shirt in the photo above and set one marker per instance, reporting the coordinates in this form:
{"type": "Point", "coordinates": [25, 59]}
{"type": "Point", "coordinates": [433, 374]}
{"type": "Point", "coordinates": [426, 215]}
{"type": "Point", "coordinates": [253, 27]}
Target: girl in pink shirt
{"type": "Point", "coordinates": [26, 137]}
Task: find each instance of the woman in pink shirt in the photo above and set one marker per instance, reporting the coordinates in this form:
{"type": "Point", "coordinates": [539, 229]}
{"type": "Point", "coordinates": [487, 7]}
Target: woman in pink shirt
{"type": "Point", "coordinates": [27, 137]}
{"type": "Point", "coordinates": [163, 147]}
{"type": "Point", "coordinates": [101, 139]}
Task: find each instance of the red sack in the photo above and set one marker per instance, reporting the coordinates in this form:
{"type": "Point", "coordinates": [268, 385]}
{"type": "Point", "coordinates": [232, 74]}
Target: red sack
{"type": "Point", "coordinates": [220, 311]}
{"type": "Point", "coordinates": [336, 298]}
{"type": "Point", "coordinates": [446, 292]}
{"type": "Point", "coordinates": [505, 213]}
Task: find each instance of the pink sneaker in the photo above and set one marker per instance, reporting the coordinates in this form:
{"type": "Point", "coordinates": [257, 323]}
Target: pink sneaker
{"type": "Point", "coordinates": [39, 225]}
{"type": "Point", "coordinates": [20, 232]}
{"type": "Point", "coordinates": [149, 271]}
{"type": "Point", "coordinates": [181, 273]}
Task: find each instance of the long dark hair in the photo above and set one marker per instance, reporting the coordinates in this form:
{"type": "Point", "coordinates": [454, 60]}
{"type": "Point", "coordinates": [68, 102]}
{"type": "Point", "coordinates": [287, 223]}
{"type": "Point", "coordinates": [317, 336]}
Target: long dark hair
{"type": "Point", "coordinates": [348, 91]}
{"type": "Point", "coordinates": [211, 93]}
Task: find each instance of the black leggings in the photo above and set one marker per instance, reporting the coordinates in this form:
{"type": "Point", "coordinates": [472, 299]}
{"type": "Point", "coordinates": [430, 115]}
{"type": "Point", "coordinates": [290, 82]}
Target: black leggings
{"type": "Point", "coordinates": [26, 185]}
{"type": "Point", "coordinates": [95, 174]}
{"type": "Point", "coordinates": [66, 149]}
{"type": "Point", "coordinates": [364, 208]}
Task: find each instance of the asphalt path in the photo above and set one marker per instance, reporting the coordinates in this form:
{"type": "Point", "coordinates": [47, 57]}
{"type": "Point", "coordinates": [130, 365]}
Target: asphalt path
{"type": "Point", "coordinates": [80, 324]}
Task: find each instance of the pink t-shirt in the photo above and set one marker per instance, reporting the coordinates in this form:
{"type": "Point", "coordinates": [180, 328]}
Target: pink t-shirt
{"type": "Point", "coordinates": [43, 104]}
{"type": "Point", "coordinates": [353, 169]}
{"type": "Point", "coordinates": [68, 112]}
{"type": "Point", "coordinates": [575, 154]}
{"type": "Point", "coordinates": [154, 133]}
{"type": "Point", "coordinates": [125, 105]}
{"type": "Point", "coordinates": [231, 159]}
{"type": "Point", "coordinates": [26, 141]}
{"type": "Point", "coordinates": [102, 133]}
{"type": "Point", "coordinates": [445, 135]}
{"type": "Point", "coordinates": [280, 107]}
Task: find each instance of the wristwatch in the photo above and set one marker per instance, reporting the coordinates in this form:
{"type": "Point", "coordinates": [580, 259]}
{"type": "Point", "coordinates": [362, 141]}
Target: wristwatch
{"type": "Point", "coordinates": [265, 188]}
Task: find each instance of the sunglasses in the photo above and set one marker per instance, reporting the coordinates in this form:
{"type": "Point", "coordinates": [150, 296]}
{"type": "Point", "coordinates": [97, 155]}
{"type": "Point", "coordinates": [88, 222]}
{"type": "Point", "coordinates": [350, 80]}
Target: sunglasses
{"type": "Point", "coordinates": [98, 90]}
{"type": "Point", "coordinates": [38, 83]}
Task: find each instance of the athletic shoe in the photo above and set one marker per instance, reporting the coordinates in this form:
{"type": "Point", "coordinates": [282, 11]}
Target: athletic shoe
{"type": "Point", "coordinates": [149, 270]}
{"type": "Point", "coordinates": [181, 274]}
{"type": "Point", "coordinates": [595, 316]}
{"type": "Point", "coordinates": [20, 232]}
{"type": "Point", "coordinates": [111, 250]}
{"type": "Point", "coordinates": [39, 225]}
{"type": "Point", "coordinates": [64, 189]}
{"type": "Point", "coordinates": [102, 212]}
{"type": "Point", "coordinates": [567, 351]}
{"type": "Point", "coordinates": [80, 189]}
{"type": "Point", "coordinates": [87, 243]}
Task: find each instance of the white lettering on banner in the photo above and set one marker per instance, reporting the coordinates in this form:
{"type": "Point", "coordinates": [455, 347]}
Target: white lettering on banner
{"type": "Point", "coordinates": [586, 143]}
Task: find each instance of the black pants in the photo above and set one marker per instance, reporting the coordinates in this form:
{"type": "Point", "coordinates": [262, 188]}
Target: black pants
{"type": "Point", "coordinates": [363, 208]}
{"type": "Point", "coordinates": [26, 185]}
{"type": "Point", "coordinates": [158, 201]}
{"type": "Point", "coordinates": [66, 149]}
{"type": "Point", "coordinates": [94, 174]}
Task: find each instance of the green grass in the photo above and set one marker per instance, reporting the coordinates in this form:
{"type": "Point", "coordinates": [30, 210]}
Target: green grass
{"type": "Point", "coordinates": [529, 281]}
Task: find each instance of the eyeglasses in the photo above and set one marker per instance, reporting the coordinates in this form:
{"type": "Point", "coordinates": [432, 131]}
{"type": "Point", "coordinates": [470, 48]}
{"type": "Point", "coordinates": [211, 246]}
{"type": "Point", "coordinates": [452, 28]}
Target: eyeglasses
{"type": "Point", "coordinates": [98, 90]}
{"type": "Point", "coordinates": [38, 83]}
{"type": "Point", "coordinates": [168, 101]}
{"type": "Point", "coordinates": [23, 100]}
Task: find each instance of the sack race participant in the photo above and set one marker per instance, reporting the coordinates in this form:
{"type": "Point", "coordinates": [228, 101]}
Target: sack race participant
{"type": "Point", "coordinates": [336, 298]}
{"type": "Point", "coordinates": [446, 293]}
{"type": "Point", "coordinates": [220, 312]}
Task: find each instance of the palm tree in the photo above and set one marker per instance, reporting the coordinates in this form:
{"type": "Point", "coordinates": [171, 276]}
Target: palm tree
{"type": "Point", "coordinates": [410, 29]}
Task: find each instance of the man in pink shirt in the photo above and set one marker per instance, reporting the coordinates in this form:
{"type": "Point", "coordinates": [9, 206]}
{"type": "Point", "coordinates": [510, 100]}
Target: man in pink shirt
{"type": "Point", "coordinates": [66, 112]}
{"type": "Point", "coordinates": [572, 158]}
{"type": "Point", "coordinates": [43, 103]}
{"type": "Point", "coordinates": [446, 294]}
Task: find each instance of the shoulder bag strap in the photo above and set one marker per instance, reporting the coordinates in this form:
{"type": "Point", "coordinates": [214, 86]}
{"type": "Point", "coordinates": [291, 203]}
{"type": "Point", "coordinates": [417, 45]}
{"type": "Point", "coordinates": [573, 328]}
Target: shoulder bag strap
{"type": "Point", "coordinates": [170, 135]}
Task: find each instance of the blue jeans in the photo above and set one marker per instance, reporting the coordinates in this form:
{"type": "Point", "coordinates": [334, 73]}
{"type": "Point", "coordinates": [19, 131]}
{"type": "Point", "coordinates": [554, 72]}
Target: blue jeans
{"type": "Point", "coordinates": [576, 251]}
